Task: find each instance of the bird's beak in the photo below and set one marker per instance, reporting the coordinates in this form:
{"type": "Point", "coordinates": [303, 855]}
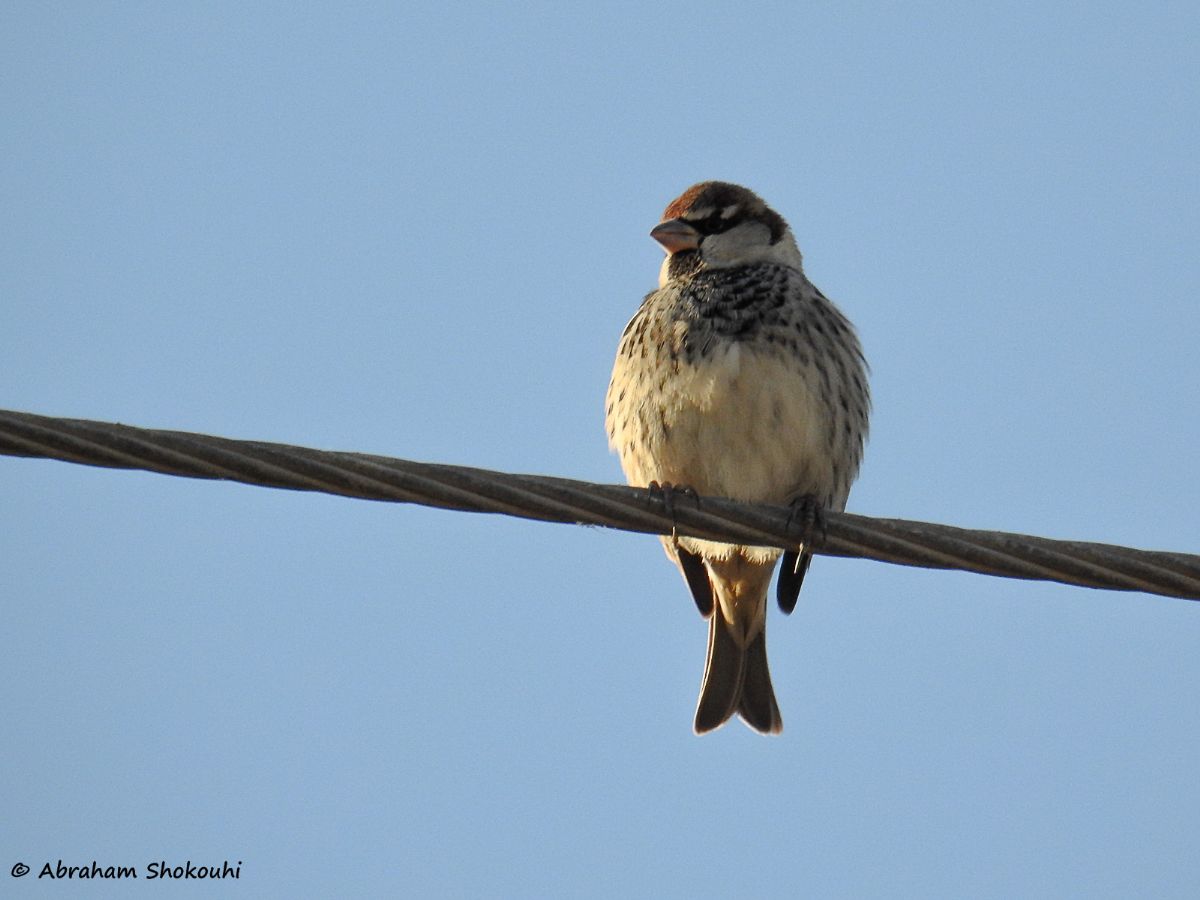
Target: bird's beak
{"type": "Point", "coordinates": [676, 235]}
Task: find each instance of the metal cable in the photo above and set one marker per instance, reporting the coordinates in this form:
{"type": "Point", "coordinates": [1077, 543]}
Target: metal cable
{"type": "Point", "coordinates": [563, 500]}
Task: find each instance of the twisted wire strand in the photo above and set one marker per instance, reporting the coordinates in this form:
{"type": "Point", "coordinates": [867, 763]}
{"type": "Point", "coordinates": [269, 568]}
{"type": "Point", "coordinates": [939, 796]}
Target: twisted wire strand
{"type": "Point", "coordinates": [563, 500]}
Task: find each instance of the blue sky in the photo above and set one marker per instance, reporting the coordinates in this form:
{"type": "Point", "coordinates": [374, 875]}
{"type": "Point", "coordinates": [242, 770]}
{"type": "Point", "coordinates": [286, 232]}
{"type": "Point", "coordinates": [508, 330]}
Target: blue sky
{"type": "Point", "coordinates": [418, 230]}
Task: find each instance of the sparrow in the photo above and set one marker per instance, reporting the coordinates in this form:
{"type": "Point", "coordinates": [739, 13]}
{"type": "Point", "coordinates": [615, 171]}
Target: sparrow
{"type": "Point", "coordinates": [738, 378]}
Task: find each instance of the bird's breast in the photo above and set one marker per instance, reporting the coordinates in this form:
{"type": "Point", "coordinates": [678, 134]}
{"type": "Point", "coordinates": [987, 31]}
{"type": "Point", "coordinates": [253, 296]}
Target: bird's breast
{"type": "Point", "coordinates": [733, 418]}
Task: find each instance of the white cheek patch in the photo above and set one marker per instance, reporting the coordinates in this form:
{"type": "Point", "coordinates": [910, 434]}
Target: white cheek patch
{"type": "Point", "coordinates": [747, 244]}
{"type": "Point", "coordinates": [730, 211]}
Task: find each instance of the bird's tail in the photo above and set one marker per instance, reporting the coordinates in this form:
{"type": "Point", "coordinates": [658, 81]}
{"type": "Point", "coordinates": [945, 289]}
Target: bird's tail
{"type": "Point", "coordinates": [736, 676]}
{"type": "Point", "coordinates": [736, 680]}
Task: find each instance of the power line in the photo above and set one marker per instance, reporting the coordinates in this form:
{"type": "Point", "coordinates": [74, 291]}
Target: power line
{"type": "Point", "coordinates": [549, 499]}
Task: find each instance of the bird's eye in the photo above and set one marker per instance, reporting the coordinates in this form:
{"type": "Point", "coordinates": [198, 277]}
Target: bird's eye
{"type": "Point", "coordinates": [715, 221]}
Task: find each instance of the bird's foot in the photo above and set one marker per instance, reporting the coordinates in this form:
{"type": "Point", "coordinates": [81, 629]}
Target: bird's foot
{"type": "Point", "coordinates": [808, 512]}
{"type": "Point", "coordinates": [691, 564]}
{"type": "Point", "coordinates": [665, 493]}
{"type": "Point", "coordinates": [811, 516]}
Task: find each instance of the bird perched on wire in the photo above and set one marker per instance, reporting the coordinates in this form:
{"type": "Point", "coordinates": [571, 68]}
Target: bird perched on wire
{"type": "Point", "coordinates": [738, 378]}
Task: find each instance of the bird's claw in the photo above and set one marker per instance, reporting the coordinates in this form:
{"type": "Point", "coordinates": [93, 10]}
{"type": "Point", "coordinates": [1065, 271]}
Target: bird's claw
{"type": "Point", "coordinates": [665, 493]}
{"type": "Point", "coordinates": [810, 514]}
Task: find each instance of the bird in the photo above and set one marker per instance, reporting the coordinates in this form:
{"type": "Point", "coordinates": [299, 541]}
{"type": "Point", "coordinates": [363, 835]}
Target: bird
{"type": "Point", "coordinates": [737, 378]}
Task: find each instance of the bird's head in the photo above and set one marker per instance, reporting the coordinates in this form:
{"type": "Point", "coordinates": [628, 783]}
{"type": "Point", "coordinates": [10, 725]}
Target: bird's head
{"type": "Point", "coordinates": [715, 224]}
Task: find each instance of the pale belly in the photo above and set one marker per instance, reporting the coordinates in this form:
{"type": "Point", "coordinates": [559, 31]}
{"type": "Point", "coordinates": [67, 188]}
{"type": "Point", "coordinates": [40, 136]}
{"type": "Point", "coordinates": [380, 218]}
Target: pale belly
{"type": "Point", "coordinates": [743, 424]}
